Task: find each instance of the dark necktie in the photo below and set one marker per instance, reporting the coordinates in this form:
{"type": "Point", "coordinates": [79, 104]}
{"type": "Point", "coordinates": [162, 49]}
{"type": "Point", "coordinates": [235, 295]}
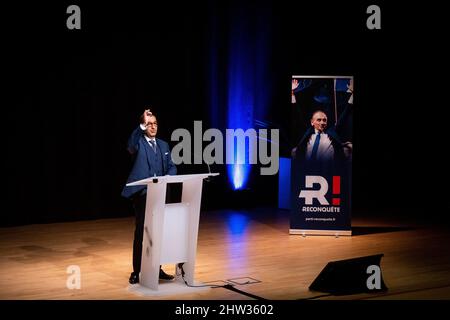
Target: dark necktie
{"type": "Point", "coordinates": [153, 144]}
{"type": "Point", "coordinates": [315, 147]}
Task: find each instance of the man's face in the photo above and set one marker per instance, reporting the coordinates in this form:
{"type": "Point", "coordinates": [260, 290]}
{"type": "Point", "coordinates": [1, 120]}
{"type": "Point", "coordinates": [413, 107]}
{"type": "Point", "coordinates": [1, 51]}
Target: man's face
{"type": "Point", "coordinates": [152, 127]}
{"type": "Point", "coordinates": [319, 121]}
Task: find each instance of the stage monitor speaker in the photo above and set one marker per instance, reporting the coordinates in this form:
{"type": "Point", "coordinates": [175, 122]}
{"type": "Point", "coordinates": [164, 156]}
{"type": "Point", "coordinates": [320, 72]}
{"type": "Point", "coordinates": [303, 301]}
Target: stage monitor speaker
{"type": "Point", "coordinates": [351, 276]}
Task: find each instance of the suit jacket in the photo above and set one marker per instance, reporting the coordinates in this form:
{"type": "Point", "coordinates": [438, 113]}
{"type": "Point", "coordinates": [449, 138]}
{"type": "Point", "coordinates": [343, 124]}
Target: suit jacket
{"type": "Point", "coordinates": [143, 166]}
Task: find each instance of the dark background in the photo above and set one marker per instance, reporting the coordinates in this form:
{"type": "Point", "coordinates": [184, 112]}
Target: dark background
{"type": "Point", "coordinates": [72, 97]}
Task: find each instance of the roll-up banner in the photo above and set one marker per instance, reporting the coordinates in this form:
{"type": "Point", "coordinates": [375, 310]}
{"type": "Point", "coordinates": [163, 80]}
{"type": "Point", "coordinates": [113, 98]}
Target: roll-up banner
{"type": "Point", "coordinates": [321, 165]}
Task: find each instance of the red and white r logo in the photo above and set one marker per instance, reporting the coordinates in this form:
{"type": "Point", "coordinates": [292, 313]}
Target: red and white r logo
{"type": "Point", "coordinates": [319, 194]}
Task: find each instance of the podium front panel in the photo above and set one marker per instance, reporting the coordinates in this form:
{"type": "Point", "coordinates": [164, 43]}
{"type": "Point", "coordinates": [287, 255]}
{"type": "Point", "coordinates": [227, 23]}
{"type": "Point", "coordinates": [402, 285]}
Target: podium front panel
{"type": "Point", "coordinates": [176, 233]}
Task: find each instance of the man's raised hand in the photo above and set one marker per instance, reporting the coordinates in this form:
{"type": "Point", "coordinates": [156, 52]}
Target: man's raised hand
{"type": "Point", "coordinates": [145, 117]}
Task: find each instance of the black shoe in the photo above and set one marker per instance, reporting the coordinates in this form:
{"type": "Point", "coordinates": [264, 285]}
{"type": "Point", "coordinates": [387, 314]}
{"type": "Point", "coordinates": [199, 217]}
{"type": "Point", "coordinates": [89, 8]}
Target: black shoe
{"type": "Point", "coordinates": [134, 278]}
{"type": "Point", "coordinates": [165, 276]}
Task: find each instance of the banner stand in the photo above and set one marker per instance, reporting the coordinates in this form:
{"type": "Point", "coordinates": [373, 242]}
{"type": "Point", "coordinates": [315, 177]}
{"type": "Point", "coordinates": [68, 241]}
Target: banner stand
{"type": "Point", "coordinates": [321, 164]}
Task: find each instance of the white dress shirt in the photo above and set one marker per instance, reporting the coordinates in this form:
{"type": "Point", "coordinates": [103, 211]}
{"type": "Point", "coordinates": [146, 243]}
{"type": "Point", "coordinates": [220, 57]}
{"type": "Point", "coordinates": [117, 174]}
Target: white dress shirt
{"type": "Point", "coordinates": [325, 150]}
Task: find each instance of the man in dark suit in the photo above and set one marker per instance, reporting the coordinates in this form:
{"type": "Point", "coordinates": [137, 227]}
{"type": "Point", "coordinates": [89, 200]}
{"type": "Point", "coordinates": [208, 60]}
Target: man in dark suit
{"type": "Point", "coordinates": [321, 149]}
{"type": "Point", "coordinates": [314, 146]}
{"type": "Point", "coordinates": [151, 158]}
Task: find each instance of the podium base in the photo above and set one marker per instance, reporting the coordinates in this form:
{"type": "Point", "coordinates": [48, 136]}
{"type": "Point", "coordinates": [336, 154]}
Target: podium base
{"type": "Point", "coordinates": [166, 288]}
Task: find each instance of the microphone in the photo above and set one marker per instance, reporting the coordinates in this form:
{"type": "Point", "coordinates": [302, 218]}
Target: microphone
{"type": "Point", "coordinates": [208, 179]}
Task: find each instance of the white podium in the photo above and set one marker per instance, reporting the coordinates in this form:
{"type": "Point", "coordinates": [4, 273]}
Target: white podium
{"type": "Point", "coordinates": [170, 230]}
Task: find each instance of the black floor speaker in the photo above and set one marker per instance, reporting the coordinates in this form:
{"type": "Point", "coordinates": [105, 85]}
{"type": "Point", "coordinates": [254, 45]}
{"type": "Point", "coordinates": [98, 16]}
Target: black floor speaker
{"type": "Point", "coordinates": [357, 275]}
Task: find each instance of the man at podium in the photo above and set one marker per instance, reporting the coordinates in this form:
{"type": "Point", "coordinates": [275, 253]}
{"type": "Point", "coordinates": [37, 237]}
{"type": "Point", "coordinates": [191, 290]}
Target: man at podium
{"type": "Point", "coordinates": [151, 157]}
